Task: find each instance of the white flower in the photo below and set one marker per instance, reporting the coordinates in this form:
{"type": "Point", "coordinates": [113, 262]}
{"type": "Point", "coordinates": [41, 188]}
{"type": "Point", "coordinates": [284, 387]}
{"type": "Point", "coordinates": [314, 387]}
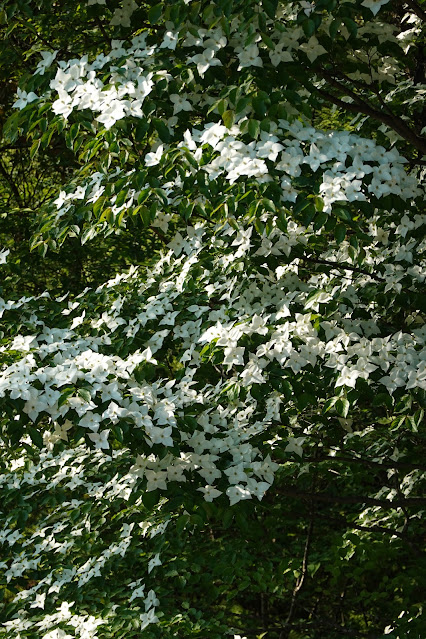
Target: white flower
{"type": "Point", "coordinates": [308, 7]}
{"type": "Point", "coordinates": [313, 48]}
{"type": "Point", "coordinates": [24, 98]}
{"type": "Point", "coordinates": [58, 633]}
{"type": "Point", "coordinates": [180, 103]}
{"type": "Point", "coordinates": [39, 601]}
{"type": "Point", "coordinates": [210, 492]}
{"type": "Point", "coordinates": [295, 445]}
{"type": "Point", "coordinates": [177, 244]}
{"type": "Point", "coordinates": [3, 255]}
{"type": "Point", "coordinates": [234, 355]}
{"type": "Point", "coordinates": [100, 439]}
{"type": "Point", "coordinates": [374, 5]}
{"type": "Point", "coordinates": [63, 105]}
{"type": "Point", "coordinates": [279, 55]}
{"type": "Point", "coordinates": [46, 62]}
{"type": "Point", "coordinates": [148, 618]}
{"type": "Point", "coordinates": [250, 57]}
{"type": "Point", "coordinates": [114, 111]}
{"type": "Point", "coordinates": [269, 148]}
{"type": "Point", "coordinates": [315, 158]}
{"type": "Point", "coordinates": [237, 493]}
{"type": "Point", "coordinates": [161, 435]}
{"type": "Point", "coordinates": [151, 601]}
{"type": "Point", "coordinates": [153, 158]}
{"type": "Point", "coordinates": [90, 420]}
{"type": "Point", "coordinates": [170, 40]}
{"type": "Point", "coordinates": [236, 474]}
{"type": "Point", "coordinates": [205, 60]}
{"type": "Point", "coordinates": [121, 17]}
{"type": "Point", "coordinates": [23, 343]}
{"type": "Point", "coordinates": [257, 488]}
{"type": "Point", "coordinates": [156, 480]}
{"type": "Point", "coordinates": [155, 561]}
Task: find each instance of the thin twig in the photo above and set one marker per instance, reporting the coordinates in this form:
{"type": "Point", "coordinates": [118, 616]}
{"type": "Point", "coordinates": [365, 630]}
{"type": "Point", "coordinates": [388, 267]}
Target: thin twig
{"type": "Point", "coordinates": [345, 267]}
{"type": "Point", "coordinates": [354, 499]}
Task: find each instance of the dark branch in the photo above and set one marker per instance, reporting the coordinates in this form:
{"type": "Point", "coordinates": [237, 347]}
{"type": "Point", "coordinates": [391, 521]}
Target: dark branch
{"type": "Point", "coordinates": [354, 499]}
{"type": "Point", "coordinates": [416, 9]}
{"type": "Point", "coordinates": [12, 184]}
{"type": "Point", "coordinates": [394, 123]}
{"type": "Point", "coordinates": [345, 267]}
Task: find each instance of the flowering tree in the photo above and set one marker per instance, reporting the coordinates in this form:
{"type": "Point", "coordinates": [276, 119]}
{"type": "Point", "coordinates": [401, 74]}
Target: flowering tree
{"type": "Point", "coordinates": [227, 438]}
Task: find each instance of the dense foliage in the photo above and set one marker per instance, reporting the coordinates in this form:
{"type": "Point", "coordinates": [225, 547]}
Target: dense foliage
{"type": "Point", "coordinates": [226, 438]}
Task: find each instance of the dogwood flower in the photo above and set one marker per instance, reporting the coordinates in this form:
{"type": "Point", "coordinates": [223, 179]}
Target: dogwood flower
{"type": "Point", "coordinates": [205, 60]}
{"type": "Point", "coordinates": [154, 157]}
{"type": "Point", "coordinates": [249, 57]}
{"type": "Point", "coordinates": [24, 98]}
{"type": "Point", "coordinates": [313, 48]}
{"type": "Point", "coordinates": [210, 492]}
{"type": "Point", "coordinates": [180, 103]}
{"type": "Point", "coordinates": [237, 493]}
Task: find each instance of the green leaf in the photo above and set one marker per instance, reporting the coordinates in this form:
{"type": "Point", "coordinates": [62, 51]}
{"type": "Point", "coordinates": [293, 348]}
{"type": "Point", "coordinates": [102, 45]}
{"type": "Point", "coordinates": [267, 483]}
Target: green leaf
{"type": "Point", "coordinates": [301, 204]}
{"type": "Point", "coordinates": [181, 523]}
{"type": "Point", "coordinates": [308, 214]}
{"type": "Point", "coordinates": [67, 392]}
{"type": "Point", "coordinates": [267, 40]}
{"type": "Point", "coordinates": [270, 7]}
{"type": "Point", "coordinates": [319, 203]}
{"type": "Point", "coordinates": [84, 394]}
{"type": "Point", "coordinates": [340, 233]}
{"type": "Point", "coordinates": [162, 130]}
{"type": "Point", "coordinates": [36, 437]}
{"type": "Point", "coordinates": [121, 197]}
{"type": "Point", "coordinates": [308, 27]}
{"type": "Point", "coordinates": [73, 132]}
{"type": "Point", "coordinates": [268, 205]}
{"type": "Point", "coordinates": [228, 118]}
{"type": "Point", "coordinates": [89, 233]}
{"type": "Point", "coordinates": [227, 518]}
{"type": "Point", "coordinates": [351, 26]}
{"type": "Point", "coordinates": [262, 21]}
{"type": "Point", "coordinates": [46, 138]}
{"type": "Point", "coordinates": [282, 221]}
{"type": "Point", "coordinates": [241, 104]}
{"type": "Point", "coordinates": [151, 498]}
{"type": "Point", "coordinates": [334, 28]}
{"type": "Point", "coordinates": [259, 106]}
{"type": "Point", "coordinates": [343, 214]}
{"type": "Point", "coordinates": [304, 400]}
{"type": "Point", "coordinates": [342, 407]}
{"type": "Point", "coordinates": [155, 12]}
{"type": "Point", "coordinates": [34, 148]}
{"type": "Point", "coordinates": [254, 128]}
{"type": "Point", "coordinates": [221, 106]}
{"type": "Point", "coordinates": [141, 130]}
{"type": "Point", "coordinates": [329, 404]}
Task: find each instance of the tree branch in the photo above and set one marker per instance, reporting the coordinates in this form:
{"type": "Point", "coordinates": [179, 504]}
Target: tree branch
{"type": "Point", "coordinates": [12, 184]}
{"type": "Point", "coordinates": [346, 267]}
{"type": "Point", "coordinates": [416, 9]}
{"type": "Point", "coordinates": [367, 462]}
{"type": "Point", "coordinates": [354, 499]}
{"type": "Point", "coordinates": [394, 123]}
